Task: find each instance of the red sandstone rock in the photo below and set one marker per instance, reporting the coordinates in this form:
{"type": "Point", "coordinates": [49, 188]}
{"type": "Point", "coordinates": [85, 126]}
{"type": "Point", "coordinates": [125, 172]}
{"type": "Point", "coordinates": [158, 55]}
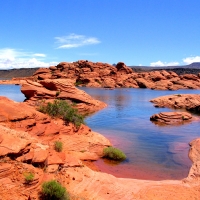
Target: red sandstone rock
{"type": "Point", "coordinates": [143, 83]}
{"type": "Point", "coordinates": [42, 71]}
{"type": "Point", "coordinates": [67, 168]}
{"type": "Point", "coordinates": [188, 101]}
{"type": "Point", "coordinates": [62, 89]}
{"type": "Point", "coordinates": [89, 74]}
{"type": "Point", "coordinates": [171, 117]}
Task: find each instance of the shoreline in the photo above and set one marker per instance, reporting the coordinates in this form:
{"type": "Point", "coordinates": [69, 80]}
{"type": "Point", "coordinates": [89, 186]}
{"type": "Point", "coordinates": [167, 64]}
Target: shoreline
{"type": "Point", "coordinates": [83, 182]}
{"type": "Point", "coordinates": [99, 167]}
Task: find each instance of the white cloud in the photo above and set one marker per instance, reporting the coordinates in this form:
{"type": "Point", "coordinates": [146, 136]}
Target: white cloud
{"type": "Point", "coordinates": [39, 55]}
{"type": "Point", "coordinates": [190, 60]}
{"type": "Point", "coordinates": [74, 41]}
{"type": "Point", "coordinates": [12, 58]}
{"type": "Point", "coordinates": [161, 64]}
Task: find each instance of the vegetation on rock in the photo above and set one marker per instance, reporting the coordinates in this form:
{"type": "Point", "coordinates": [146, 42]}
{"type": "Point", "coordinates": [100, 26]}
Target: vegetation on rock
{"type": "Point", "coordinates": [29, 177]}
{"type": "Point", "coordinates": [58, 146]}
{"type": "Point", "coordinates": [113, 154]}
{"type": "Point", "coordinates": [52, 190]}
{"type": "Point", "coordinates": [60, 108]}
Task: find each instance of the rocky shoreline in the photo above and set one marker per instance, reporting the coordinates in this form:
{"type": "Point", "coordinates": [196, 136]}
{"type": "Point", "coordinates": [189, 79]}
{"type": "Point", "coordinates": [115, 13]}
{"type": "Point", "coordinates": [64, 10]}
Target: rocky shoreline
{"type": "Point", "coordinates": [27, 139]}
{"type": "Point", "coordinates": [26, 145]}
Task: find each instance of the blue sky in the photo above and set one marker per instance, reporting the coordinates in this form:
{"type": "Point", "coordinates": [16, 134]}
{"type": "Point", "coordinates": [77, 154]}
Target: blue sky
{"type": "Point", "coordinates": [40, 33]}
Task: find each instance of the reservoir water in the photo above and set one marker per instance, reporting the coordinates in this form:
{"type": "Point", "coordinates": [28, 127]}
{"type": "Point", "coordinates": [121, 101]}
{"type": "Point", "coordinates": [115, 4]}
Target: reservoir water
{"type": "Point", "coordinates": [12, 92]}
{"type": "Point", "coordinates": [154, 152]}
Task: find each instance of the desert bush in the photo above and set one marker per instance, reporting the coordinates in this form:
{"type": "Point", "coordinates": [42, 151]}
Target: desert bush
{"type": "Point", "coordinates": [29, 177]}
{"type": "Point", "coordinates": [52, 190]}
{"type": "Point", "coordinates": [113, 154]}
{"type": "Point", "coordinates": [60, 108]}
{"type": "Point", "coordinates": [58, 146]}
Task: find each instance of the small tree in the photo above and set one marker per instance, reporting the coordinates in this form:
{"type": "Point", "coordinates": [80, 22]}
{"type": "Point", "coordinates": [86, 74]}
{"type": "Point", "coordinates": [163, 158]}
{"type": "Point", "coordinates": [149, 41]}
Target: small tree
{"type": "Point", "coordinates": [52, 190]}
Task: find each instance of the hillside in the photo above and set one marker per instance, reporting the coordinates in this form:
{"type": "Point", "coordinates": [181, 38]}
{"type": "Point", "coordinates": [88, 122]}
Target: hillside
{"type": "Point", "coordinates": [193, 68]}
{"type": "Point", "coordinates": [23, 72]}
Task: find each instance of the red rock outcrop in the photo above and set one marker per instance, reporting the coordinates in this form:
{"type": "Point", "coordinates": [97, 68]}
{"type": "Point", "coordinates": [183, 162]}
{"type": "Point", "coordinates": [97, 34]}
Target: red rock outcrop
{"type": "Point", "coordinates": [89, 74]}
{"type": "Point", "coordinates": [27, 142]}
{"type": "Point", "coordinates": [189, 102]}
{"type": "Point", "coordinates": [194, 155]}
{"type": "Point", "coordinates": [51, 89]}
{"type": "Point", "coordinates": [172, 117]}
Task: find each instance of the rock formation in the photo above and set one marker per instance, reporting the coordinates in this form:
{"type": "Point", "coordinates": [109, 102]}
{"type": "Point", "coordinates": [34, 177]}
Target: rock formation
{"type": "Point", "coordinates": [190, 102]}
{"type": "Point", "coordinates": [89, 74]}
{"type": "Point", "coordinates": [172, 117]}
{"type": "Point", "coordinates": [51, 89]}
{"type": "Point", "coordinates": [27, 140]}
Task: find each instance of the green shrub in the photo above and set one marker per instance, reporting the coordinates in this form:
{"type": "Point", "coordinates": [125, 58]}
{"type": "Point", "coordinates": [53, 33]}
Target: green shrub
{"type": "Point", "coordinates": [29, 177]}
{"type": "Point", "coordinates": [52, 190]}
{"type": "Point", "coordinates": [58, 146]}
{"type": "Point", "coordinates": [113, 154]}
{"type": "Point", "coordinates": [60, 108]}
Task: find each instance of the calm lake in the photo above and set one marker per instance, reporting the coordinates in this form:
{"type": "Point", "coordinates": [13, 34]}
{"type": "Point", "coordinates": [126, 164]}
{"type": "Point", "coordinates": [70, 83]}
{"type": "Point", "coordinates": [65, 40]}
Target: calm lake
{"type": "Point", "coordinates": [154, 152]}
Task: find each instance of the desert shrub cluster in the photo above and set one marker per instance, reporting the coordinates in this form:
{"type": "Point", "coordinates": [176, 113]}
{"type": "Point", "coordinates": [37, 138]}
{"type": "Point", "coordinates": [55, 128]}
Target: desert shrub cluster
{"type": "Point", "coordinates": [52, 190]}
{"type": "Point", "coordinates": [62, 109]}
{"type": "Point", "coordinates": [114, 154]}
{"type": "Point", "coordinates": [58, 146]}
{"type": "Point", "coordinates": [29, 177]}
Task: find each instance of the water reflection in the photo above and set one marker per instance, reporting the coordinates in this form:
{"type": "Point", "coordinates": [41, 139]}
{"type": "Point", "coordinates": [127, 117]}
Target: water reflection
{"type": "Point", "coordinates": [12, 92]}
{"type": "Point", "coordinates": [154, 152]}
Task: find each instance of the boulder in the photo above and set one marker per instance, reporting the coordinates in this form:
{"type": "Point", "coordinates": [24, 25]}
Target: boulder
{"type": "Point", "coordinates": [189, 102]}
{"type": "Point", "coordinates": [171, 117]}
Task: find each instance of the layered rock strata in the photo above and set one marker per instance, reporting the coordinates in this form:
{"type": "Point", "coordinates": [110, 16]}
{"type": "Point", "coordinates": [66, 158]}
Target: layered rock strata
{"type": "Point", "coordinates": [172, 117]}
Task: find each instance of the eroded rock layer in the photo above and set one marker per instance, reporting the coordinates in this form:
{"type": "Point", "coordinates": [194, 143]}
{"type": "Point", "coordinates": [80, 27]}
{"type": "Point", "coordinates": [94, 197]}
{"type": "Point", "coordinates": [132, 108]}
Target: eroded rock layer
{"type": "Point", "coordinates": [172, 117]}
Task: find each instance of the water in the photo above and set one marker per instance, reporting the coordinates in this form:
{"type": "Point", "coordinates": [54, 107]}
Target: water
{"type": "Point", "coordinates": [154, 152]}
{"type": "Point", "coordinates": [12, 92]}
